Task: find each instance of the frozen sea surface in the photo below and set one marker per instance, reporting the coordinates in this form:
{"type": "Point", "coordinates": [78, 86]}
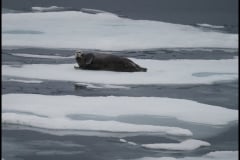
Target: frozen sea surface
{"type": "Point", "coordinates": [185, 107]}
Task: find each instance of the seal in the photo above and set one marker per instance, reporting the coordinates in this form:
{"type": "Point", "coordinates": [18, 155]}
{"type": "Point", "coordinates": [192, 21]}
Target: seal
{"type": "Point", "coordinates": [109, 62]}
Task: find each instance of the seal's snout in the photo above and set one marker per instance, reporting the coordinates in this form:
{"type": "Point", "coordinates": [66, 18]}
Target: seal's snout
{"type": "Point", "coordinates": [78, 54]}
{"type": "Point", "coordinates": [78, 58]}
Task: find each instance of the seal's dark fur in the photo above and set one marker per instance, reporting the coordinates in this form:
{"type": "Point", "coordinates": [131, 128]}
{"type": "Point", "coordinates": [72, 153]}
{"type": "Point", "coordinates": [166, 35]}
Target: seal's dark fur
{"type": "Point", "coordinates": [100, 61]}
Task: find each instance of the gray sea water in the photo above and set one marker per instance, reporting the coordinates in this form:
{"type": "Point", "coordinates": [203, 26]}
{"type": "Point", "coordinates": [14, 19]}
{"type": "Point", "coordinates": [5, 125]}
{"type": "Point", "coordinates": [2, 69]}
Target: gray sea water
{"type": "Point", "coordinates": [21, 142]}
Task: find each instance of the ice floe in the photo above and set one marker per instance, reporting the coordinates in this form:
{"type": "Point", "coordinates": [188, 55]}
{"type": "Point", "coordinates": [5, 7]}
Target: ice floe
{"type": "Point", "coordinates": [105, 31]}
{"type": "Point", "coordinates": [187, 145]}
{"type": "Point", "coordinates": [159, 72]}
{"type": "Point", "coordinates": [123, 140]}
{"type": "Point", "coordinates": [24, 81]}
{"type": "Point", "coordinates": [94, 11]}
{"type": "Point", "coordinates": [217, 155]}
{"type": "Point", "coordinates": [41, 56]}
{"type": "Point", "coordinates": [46, 9]}
{"type": "Point", "coordinates": [53, 108]}
{"type": "Point", "coordinates": [63, 123]}
{"type": "Point", "coordinates": [209, 25]}
{"type": "Point", "coordinates": [100, 86]}
{"type": "Point", "coordinates": [223, 155]}
{"type": "Point", "coordinates": [129, 142]}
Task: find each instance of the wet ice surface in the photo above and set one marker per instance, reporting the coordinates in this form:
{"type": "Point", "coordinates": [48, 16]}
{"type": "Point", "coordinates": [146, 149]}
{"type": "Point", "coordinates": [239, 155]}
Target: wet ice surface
{"type": "Point", "coordinates": [39, 143]}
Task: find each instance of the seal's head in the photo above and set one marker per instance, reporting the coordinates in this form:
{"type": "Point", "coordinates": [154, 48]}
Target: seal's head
{"type": "Point", "coordinates": [83, 59]}
{"type": "Point", "coordinates": [78, 57]}
{"type": "Point", "coordinates": [78, 54]}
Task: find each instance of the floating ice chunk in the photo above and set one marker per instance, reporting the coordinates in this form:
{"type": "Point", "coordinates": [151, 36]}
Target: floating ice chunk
{"type": "Point", "coordinates": [40, 56]}
{"type": "Point", "coordinates": [159, 72]}
{"type": "Point", "coordinates": [129, 142]}
{"type": "Point", "coordinates": [62, 123]}
{"type": "Point", "coordinates": [94, 11]}
{"type": "Point", "coordinates": [98, 86]}
{"type": "Point", "coordinates": [154, 158]}
{"type": "Point", "coordinates": [45, 9]}
{"type": "Point", "coordinates": [106, 32]}
{"type": "Point", "coordinates": [223, 155]}
{"type": "Point", "coordinates": [123, 140]}
{"type": "Point", "coordinates": [209, 25]}
{"type": "Point", "coordinates": [62, 106]}
{"type": "Point", "coordinates": [218, 155]}
{"type": "Point", "coordinates": [187, 145]}
{"type": "Point", "coordinates": [24, 81]}
{"type": "Point", "coordinates": [132, 143]}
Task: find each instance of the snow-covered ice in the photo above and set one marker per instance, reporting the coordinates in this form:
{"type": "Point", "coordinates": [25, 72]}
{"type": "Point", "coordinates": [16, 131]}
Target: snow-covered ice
{"type": "Point", "coordinates": [63, 123]}
{"type": "Point", "coordinates": [24, 81]}
{"type": "Point", "coordinates": [209, 25]}
{"type": "Point", "coordinates": [100, 86]}
{"type": "Point", "coordinates": [45, 9]}
{"type": "Point", "coordinates": [41, 56]}
{"type": "Point", "coordinates": [217, 155]}
{"type": "Point", "coordinates": [54, 107]}
{"type": "Point", "coordinates": [159, 72]}
{"type": "Point", "coordinates": [105, 31]}
{"type": "Point", "coordinates": [187, 145]}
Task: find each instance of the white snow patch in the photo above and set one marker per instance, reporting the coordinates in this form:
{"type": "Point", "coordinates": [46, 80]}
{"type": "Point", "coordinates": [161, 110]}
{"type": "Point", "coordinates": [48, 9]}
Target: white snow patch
{"type": "Point", "coordinates": [209, 25]}
{"type": "Point", "coordinates": [45, 9]}
{"type": "Point", "coordinates": [159, 72]}
{"type": "Point", "coordinates": [223, 155]}
{"type": "Point", "coordinates": [100, 86]}
{"type": "Point", "coordinates": [25, 81]}
{"type": "Point", "coordinates": [59, 123]}
{"type": "Point", "coordinates": [41, 56]}
{"type": "Point", "coordinates": [129, 142]}
{"type": "Point", "coordinates": [106, 32]}
{"type": "Point", "coordinates": [187, 145]}
{"type": "Point", "coordinates": [95, 11]}
{"type": "Point", "coordinates": [132, 143]}
{"type": "Point", "coordinates": [123, 140]}
{"type": "Point", "coordinates": [55, 107]}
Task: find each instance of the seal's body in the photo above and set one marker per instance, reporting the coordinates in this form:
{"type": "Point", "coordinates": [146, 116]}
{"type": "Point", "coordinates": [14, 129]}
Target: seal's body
{"type": "Point", "coordinates": [94, 61]}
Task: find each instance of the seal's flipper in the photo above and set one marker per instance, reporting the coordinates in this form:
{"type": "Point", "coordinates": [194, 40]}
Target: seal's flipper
{"type": "Point", "coordinates": [88, 59]}
{"type": "Point", "coordinates": [144, 69]}
{"type": "Point", "coordinates": [76, 67]}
